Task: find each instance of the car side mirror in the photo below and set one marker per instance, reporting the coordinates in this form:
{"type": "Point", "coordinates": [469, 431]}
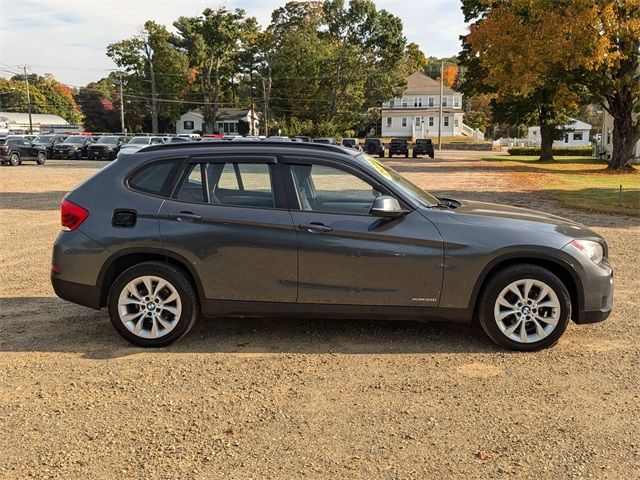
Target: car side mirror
{"type": "Point", "coordinates": [386, 206]}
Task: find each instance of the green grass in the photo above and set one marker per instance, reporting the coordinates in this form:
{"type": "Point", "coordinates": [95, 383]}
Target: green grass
{"type": "Point", "coordinates": [577, 182]}
{"type": "Point", "coordinates": [534, 158]}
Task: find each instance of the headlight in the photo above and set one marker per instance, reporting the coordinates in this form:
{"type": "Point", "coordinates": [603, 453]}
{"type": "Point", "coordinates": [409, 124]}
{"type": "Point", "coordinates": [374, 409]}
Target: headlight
{"type": "Point", "coordinates": [590, 249]}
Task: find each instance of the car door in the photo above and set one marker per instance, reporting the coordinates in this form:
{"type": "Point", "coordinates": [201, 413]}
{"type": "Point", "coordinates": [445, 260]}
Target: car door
{"type": "Point", "coordinates": [27, 152]}
{"type": "Point", "coordinates": [348, 256]}
{"type": "Point", "coordinates": [229, 218]}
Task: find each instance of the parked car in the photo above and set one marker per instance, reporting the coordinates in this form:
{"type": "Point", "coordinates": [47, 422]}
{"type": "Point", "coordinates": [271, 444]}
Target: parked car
{"type": "Point", "coordinates": [423, 146]}
{"type": "Point", "coordinates": [49, 141]}
{"type": "Point", "coordinates": [106, 147]}
{"type": "Point", "coordinates": [303, 138]}
{"type": "Point", "coordinates": [373, 146]}
{"type": "Point", "coordinates": [74, 146]}
{"type": "Point", "coordinates": [14, 150]}
{"type": "Point", "coordinates": [324, 140]}
{"type": "Point", "coordinates": [178, 139]}
{"type": "Point", "coordinates": [179, 230]}
{"type": "Point", "coordinates": [351, 143]}
{"type": "Point", "coordinates": [138, 143]}
{"type": "Point", "coordinates": [399, 146]}
{"type": "Point", "coordinates": [278, 138]}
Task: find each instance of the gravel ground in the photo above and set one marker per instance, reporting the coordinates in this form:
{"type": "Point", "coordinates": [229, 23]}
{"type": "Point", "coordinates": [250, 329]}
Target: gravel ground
{"type": "Point", "coordinates": [317, 399]}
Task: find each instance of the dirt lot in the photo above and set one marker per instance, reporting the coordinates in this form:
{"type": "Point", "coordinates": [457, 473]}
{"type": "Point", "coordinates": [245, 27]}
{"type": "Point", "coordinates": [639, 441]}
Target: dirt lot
{"type": "Point", "coordinates": [317, 399]}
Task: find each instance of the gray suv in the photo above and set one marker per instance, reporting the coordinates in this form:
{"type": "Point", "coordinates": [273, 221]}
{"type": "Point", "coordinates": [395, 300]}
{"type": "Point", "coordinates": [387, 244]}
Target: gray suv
{"type": "Point", "coordinates": [176, 231]}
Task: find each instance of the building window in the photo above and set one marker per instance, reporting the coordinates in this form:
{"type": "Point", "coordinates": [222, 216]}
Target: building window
{"type": "Point", "coordinates": [404, 102]}
{"type": "Point", "coordinates": [608, 136]}
{"type": "Point", "coordinates": [188, 124]}
{"type": "Point", "coordinates": [456, 101]}
{"type": "Point", "coordinates": [391, 103]}
{"type": "Point", "coordinates": [444, 101]}
{"type": "Point", "coordinates": [419, 101]}
{"type": "Point", "coordinates": [566, 138]}
{"type": "Point", "coordinates": [446, 121]}
{"type": "Point", "coordinates": [431, 121]}
{"type": "Point", "coordinates": [431, 101]}
{"type": "Point", "coordinates": [455, 121]}
{"type": "Point", "coordinates": [404, 121]}
{"type": "Point", "coordinates": [577, 136]}
{"type": "Point", "coordinates": [388, 122]}
{"type": "Point", "coordinates": [417, 121]}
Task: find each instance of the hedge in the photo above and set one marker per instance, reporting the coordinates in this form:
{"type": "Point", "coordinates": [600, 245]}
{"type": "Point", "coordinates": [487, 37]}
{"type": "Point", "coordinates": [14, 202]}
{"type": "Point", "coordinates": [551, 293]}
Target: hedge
{"type": "Point", "coordinates": [560, 151]}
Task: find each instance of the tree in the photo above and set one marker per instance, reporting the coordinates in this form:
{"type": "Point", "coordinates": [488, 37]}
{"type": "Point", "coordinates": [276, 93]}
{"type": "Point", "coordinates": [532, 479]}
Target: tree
{"type": "Point", "coordinates": [511, 51]}
{"type": "Point", "coordinates": [212, 42]}
{"type": "Point", "coordinates": [450, 75]}
{"type": "Point", "coordinates": [415, 60]}
{"type": "Point", "coordinates": [151, 59]}
{"type": "Point", "coordinates": [95, 100]}
{"type": "Point", "coordinates": [614, 75]}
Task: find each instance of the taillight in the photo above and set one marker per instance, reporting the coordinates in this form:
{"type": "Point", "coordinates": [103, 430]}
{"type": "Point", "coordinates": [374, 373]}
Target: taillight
{"type": "Point", "coordinates": [72, 215]}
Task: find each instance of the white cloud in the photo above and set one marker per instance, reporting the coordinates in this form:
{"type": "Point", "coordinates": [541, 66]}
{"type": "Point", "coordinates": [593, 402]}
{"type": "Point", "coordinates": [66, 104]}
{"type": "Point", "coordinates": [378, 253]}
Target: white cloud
{"type": "Point", "coordinates": [69, 37]}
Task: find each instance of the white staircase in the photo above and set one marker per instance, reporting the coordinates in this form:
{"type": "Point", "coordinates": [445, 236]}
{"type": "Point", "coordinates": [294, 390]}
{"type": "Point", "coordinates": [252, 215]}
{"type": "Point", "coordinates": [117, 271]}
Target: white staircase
{"type": "Point", "coordinates": [472, 132]}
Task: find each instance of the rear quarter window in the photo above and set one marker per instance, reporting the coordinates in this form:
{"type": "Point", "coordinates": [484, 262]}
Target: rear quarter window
{"type": "Point", "coordinates": [155, 178]}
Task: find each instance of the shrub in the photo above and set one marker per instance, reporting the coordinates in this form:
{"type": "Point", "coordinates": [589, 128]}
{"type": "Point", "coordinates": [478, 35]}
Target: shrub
{"type": "Point", "coordinates": [560, 151]}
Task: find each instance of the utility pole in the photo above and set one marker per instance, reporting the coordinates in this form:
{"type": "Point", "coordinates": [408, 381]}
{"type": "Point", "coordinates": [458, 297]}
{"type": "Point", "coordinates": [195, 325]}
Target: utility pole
{"type": "Point", "coordinates": [122, 128]}
{"type": "Point", "coordinates": [26, 79]}
{"type": "Point", "coordinates": [440, 111]}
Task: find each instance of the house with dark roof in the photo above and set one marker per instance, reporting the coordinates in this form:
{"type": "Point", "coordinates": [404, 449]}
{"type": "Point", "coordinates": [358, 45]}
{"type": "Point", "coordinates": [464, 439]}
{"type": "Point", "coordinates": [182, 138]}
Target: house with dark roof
{"type": "Point", "coordinates": [415, 113]}
{"type": "Point", "coordinates": [227, 122]}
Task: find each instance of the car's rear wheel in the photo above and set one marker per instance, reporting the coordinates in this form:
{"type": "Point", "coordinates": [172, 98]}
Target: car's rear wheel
{"type": "Point", "coordinates": [152, 304]}
{"type": "Point", "coordinates": [78, 155]}
{"type": "Point", "coordinates": [14, 159]}
{"type": "Point", "coordinates": [524, 307]}
{"type": "Point", "coordinates": [41, 158]}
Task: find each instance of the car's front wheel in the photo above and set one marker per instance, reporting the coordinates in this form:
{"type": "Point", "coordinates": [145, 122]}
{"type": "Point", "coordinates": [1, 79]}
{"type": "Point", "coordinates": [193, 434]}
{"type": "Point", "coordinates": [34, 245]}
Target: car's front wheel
{"type": "Point", "coordinates": [41, 158]}
{"type": "Point", "coordinates": [14, 160]}
{"type": "Point", "coordinates": [152, 304]}
{"type": "Point", "coordinates": [524, 307]}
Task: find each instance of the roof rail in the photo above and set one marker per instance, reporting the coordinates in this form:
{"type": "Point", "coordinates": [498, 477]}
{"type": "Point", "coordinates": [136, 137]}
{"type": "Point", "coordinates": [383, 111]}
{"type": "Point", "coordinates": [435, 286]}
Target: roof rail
{"type": "Point", "coordinates": [223, 144]}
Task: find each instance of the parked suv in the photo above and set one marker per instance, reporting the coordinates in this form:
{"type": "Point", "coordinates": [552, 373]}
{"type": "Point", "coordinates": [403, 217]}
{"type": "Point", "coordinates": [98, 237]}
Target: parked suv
{"type": "Point", "coordinates": [106, 147]}
{"type": "Point", "coordinates": [14, 150]}
{"type": "Point", "coordinates": [351, 143]}
{"type": "Point", "coordinates": [373, 146]}
{"type": "Point", "coordinates": [49, 141]}
{"type": "Point", "coordinates": [282, 228]}
{"type": "Point", "coordinates": [423, 146]}
{"type": "Point", "coordinates": [399, 146]}
{"type": "Point", "coordinates": [74, 146]}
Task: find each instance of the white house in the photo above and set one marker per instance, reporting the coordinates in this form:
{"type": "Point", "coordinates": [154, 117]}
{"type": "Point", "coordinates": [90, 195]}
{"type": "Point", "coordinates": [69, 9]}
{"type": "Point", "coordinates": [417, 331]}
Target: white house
{"type": "Point", "coordinates": [577, 135]}
{"type": "Point", "coordinates": [17, 122]}
{"type": "Point", "coordinates": [415, 114]}
{"type": "Point", "coordinates": [227, 123]}
{"type": "Point", "coordinates": [607, 138]}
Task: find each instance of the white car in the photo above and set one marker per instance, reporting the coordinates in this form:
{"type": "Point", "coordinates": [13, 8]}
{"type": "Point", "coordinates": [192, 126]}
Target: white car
{"type": "Point", "coordinates": [138, 143]}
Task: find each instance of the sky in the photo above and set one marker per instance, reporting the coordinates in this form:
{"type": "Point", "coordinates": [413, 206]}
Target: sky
{"type": "Point", "coordinates": [68, 38]}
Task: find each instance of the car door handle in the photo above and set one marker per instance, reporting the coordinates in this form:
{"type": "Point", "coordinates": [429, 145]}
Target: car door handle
{"type": "Point", "coordinates": [180, 216]}
{"type": "Point", "coordinates": [315, 227]}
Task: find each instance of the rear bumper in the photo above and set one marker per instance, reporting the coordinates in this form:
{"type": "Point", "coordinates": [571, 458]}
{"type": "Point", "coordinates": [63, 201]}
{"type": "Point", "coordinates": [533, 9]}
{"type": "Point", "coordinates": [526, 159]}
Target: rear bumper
{"type": "Point", "coordinates": [87, 295]}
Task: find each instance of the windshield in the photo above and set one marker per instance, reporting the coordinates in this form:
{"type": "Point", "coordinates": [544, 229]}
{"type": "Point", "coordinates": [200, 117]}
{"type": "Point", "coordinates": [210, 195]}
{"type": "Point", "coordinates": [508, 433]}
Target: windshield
{"type": "Point", "coordinates": [139, 141]}
{"type": "Point", "coordinates": [109, 140]}
{"type": "Point", "coordinates": [43, 139]}
{"type": "Point", "coordinates": [348, 141]}
{"type": "Point", "coordinates": [398, 140]}
{"type": "Point", "coordinates": [74, 140]}
{"type": "Point", "coordinates": [401, 183]}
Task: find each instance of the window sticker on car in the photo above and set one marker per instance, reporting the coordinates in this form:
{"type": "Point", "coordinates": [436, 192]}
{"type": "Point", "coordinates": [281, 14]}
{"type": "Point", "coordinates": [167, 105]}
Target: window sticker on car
{"type": "Point", "coordinates": [378, 167]}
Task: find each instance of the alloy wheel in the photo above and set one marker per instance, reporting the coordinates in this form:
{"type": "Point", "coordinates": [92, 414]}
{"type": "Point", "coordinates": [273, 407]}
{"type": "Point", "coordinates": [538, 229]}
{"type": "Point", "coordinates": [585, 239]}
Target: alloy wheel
{"type": "Point", "coordinates": [149, 307]}
{"type": "Point", "coordinates": [527, 311]}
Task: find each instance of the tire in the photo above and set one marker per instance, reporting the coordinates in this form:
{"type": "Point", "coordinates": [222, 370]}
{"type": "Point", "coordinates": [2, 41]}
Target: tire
{"type": "Point", "coordinates": [41, 159]}
{"type": "Point", "coordinates": [121, 301]}
{"type": "Point", "coordinates": [406, 155]}
{"type": "Point", "coordinates": [414, 155]}
{"type": "Point", "coordinates": [543, 325]}
{"type": "Point", "coordinates": [381, 155]}
{"type": "Point", "coordinates": [78, 156]}
{"type": "Point", "coordinates": [14, 159]}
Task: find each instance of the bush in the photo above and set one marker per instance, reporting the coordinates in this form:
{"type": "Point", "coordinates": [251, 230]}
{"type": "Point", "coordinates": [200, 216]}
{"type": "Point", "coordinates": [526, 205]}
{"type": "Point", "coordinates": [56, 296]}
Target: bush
{"type": "Point", "coordinates": [560, 151]}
